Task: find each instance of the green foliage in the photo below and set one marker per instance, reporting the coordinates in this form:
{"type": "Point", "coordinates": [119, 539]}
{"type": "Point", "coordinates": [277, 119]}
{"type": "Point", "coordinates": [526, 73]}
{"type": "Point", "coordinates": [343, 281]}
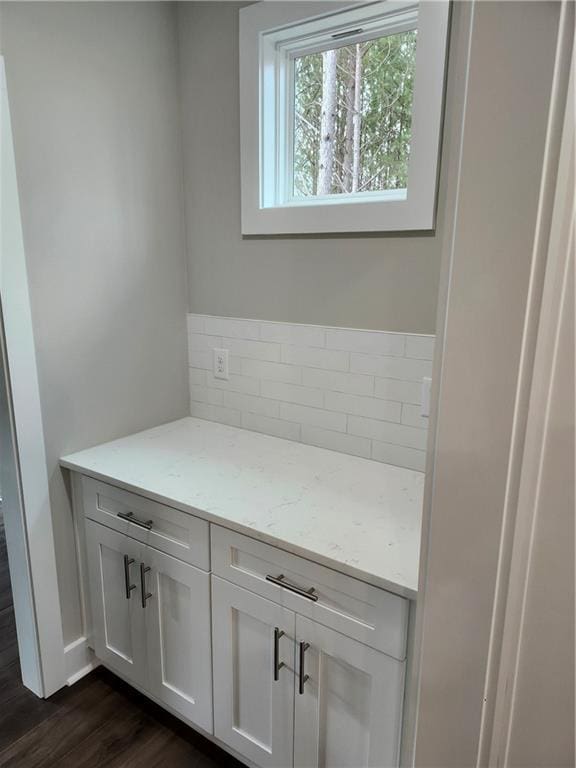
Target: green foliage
{"type": "Point", "coordinates": [384, 71]}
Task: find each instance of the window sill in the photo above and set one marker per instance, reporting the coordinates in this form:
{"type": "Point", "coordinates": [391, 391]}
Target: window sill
{"type": "Point", "coordinates": [325, 218]}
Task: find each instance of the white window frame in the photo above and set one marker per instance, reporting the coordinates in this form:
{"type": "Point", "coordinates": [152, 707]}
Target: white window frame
{"type": "Point", "coordinates": [272, 34]}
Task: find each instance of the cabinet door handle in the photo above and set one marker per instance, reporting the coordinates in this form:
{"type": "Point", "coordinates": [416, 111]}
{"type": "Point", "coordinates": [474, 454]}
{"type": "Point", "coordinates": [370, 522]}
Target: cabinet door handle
{"type": "Point", "coordinates": [309, 594]}
{"type": "Point", "coordinates": [277, 663]}
{"type": "Point", "coordinates": [302, 678]}
{"type": "Point", "coordinates": [145, 595]}
{"type": "Point", "coordinates": [129, 516]}
{"type": "Point", "coordinates": [127, 586]}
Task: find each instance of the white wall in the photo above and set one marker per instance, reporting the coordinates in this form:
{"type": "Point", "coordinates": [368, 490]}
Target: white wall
{"type": "Point", "coordinates": [383, 282]}
{"type": "Point", "coordinates": [542, 719]}
{"type": "Point", "coordinates": [487, 273]}
{"type": "Point", "coordinates": [11, 515]}
{"type": "Point", "coordinates": [93, 95]}
{"type": "Point", "coordinates": [26, 504]}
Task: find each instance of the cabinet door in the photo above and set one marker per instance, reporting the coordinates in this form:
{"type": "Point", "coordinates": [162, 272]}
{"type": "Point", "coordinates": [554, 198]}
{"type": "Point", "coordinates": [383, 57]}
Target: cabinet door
{"type": "Point", "coordinates": [177, 609]}
{"type": "Point", "coordinates": [253, 706]}
{"type": "Point", "coordinates": [349, 712]}
{"type": "Point", "coordinates": [118, 619]}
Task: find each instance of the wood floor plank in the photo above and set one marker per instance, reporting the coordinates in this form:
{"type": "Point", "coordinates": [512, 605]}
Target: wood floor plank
{"type": "Point", "coordinates": [25, 712]}
{"type": "Point", "coordinates": [155, 751]}
{"type": "Point", "coordinates": [10, 681]}
{"type": "Point", "coordinates": [166, 749]}
{"type": "Point", "coordinates": [5, 589]}
{"type": "Point", "coordinates": [9, 654]}
{"type": "Point", "coordinates": [7, 628]}
{"type": "Point", "coordinates": [169, 748]}
{"type": "Point", "coordinates": [117, 737]}
{"type": "Point", "coordinates": [77, 715]}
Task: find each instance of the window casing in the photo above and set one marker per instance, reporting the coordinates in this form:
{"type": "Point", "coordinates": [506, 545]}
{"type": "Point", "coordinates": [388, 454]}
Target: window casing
{"type": "Point", "coordinates": [272, 37]}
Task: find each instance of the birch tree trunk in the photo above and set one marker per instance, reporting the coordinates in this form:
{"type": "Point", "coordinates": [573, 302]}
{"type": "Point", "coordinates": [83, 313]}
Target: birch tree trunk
{"type": "Point", "coordinates": [328, 122]}
{"type": "Point", "coordinates": [349, 130]}
{"type": "Point", "coordinates": [357, 119]}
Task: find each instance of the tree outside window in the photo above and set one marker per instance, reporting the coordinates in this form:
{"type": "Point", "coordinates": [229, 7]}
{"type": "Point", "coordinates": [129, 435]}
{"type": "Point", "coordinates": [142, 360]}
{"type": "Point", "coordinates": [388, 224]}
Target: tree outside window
{"type": "Point", "coordinates": [353, 117]}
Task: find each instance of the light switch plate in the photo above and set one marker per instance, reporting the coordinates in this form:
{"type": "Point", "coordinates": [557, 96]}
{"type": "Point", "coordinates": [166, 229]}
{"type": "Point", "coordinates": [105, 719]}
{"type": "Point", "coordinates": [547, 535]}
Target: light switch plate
{"type": "Point", "coordinates": [221, 364]}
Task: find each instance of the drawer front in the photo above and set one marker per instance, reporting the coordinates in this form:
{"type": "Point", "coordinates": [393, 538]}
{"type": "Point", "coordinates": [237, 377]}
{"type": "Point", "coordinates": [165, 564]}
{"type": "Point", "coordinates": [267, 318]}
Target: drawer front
{"type": "Point", "coordinates": [368, 614]}
{"type": "Point", "coordinates": [169, 530]}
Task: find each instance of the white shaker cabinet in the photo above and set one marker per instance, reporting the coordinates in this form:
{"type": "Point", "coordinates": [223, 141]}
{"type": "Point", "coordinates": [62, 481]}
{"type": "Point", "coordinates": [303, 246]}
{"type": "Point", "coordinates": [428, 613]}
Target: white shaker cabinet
{"type": "Point", "coordinates": [119, 630]}
{"type": "Point", "coordinates": [348, 708]}
{"type": "Point", "coordinates": [151, 621]}
{"type": "Point", "coordinates": [309, 698]}
{"type": "Point", "coordinates": [253, 647]}
{"type": "Point", "coordinates": [178, 636]}
{"type": "Point", "coordinates": [287, 662]}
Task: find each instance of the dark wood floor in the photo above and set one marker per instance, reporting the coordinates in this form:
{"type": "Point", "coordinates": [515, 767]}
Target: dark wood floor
{"type": "Point", "coordinates": [100, 721]}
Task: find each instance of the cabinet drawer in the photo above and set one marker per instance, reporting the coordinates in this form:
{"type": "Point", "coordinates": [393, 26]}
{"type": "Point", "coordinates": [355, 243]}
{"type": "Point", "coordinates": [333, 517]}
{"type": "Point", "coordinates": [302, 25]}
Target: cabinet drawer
{"type": "Point", "coordinates": [169, 530]}
{"type": "Point", "coordinates": [373, 616]}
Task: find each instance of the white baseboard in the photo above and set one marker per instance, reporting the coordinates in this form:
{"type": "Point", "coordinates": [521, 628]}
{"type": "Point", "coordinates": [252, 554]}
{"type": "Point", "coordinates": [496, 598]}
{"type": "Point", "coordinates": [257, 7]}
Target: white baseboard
{"type": "Point", "coordinates": [79, 660]}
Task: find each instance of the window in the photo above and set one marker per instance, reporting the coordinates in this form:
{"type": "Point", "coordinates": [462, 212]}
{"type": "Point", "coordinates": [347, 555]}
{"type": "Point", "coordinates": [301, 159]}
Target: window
{"type": "Point", "coordinates": [340, 116]}
{"type": "Point", "coordinates": [352, 117]}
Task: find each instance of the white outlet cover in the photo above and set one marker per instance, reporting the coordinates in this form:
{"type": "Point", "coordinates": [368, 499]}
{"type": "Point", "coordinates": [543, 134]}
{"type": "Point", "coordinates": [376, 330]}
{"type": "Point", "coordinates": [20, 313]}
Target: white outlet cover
{"type": "Point", "coordinates": [221, 364]}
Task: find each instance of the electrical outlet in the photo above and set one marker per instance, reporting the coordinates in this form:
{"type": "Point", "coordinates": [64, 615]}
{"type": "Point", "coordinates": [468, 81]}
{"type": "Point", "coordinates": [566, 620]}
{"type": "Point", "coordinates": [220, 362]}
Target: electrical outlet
{"type": "Point", "coordinates": [221, 364]}
{"type": "Point", "coordinates": [425, 397]}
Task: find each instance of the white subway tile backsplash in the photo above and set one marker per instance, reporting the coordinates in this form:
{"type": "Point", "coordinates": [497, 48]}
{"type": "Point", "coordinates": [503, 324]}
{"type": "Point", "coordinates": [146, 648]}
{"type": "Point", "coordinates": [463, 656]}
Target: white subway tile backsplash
{"type": "Point", "coordinates": [352, 391]}
{"type": "Point", "coordinates": [313, 417]}
{"type": "Point", "coordinates": [250, 403]}
{"type": "Point", "coordinates": [298, 335]}
{"type": "Point", "coordinates": [206, 395]}
{"type": "Point", "coordinates": [370, 407]}
{"type": "Point", "coordinates": [200, 358]}
{"type": "Point", "coordinates": [260, 369]}
{"type": "Point", "coordinates": [292, 393]}
{"type": "Point", "coordinates": [403, 368]}
{"type": "Point", "coordinates": [411, 415]}
{"type": "Point", "coordinates": [387, 432]}
{"type": "Point", "coordinates": [420, 346]}
{"type": "Point", "coordinates": [399, 456]}
{"type": "Point", "coordinates": [276, 427]}
{"type": "Point", "coordinates": [316, 358]}
{"type": "Point", "coordinates": [333, 381]}
{"type": "Point", "coordinates": [231, 328]}
{"type": "Point", "coordinates": [195, 323]}
{"type": "Point", "coordinates": [257, 350]}
{"type": "Point", "coordinates": [396, 389]}
{"type": "Point", "coordinates": [202, 341]}
{"type": "Point", "coordinates": [216, 413]}
{"type": "Point", "coordinates": [236, 383]}
{"type": "Point", "coordinates": [197, 377]}
{"type": "Point", "coordinates": [373, 342]}
{"type": "Point", "coordinates": [337, 441]}
{"type": "Point", "coordinates": [204, 358]}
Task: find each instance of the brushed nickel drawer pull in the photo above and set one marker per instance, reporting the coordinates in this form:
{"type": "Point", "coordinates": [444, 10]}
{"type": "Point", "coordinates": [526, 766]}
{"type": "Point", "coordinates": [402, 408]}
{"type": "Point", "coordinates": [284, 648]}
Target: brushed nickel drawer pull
{"type": "Point", "coordinates": [277, 663]}
{"type": "Point", "coordinates": [309, 594]}
{"type": "Point", "coordinates": [145, 595]}
{"type": "Point", "coordinates": [302, 678]}
{"type": "Point", "coordinates": [129, 516]}
{"type": "Point", "coordinates": [128, 587]}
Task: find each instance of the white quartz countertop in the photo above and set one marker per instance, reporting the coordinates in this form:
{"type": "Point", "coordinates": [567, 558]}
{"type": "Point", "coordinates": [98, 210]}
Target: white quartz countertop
{"type": "Point", "coordinates": [357, 516]}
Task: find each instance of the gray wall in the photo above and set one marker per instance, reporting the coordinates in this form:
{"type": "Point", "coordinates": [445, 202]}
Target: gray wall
{"type": "Point", "coordinates": [384, 282]}
{"type": "Point", "coordinates": [488, 271]}
{"type": "Point", "coordinates": [93, 95]}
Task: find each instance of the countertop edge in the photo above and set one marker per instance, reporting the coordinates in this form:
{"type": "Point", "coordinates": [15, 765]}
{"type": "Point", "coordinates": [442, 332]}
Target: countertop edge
{"type": "Point", "coordinates": [348, 570]}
